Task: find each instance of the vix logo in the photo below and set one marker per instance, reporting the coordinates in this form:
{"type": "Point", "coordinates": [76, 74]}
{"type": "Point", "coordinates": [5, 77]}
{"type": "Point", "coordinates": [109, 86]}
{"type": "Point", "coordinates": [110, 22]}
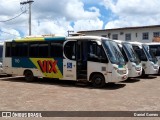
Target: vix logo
{"type": "Point", "coordinates": [48, 66]}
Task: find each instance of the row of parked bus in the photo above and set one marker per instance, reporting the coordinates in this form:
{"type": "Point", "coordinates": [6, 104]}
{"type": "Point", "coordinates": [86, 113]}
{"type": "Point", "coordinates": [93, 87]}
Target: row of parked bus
{"type": "Point", "coordinates": [92, 59]}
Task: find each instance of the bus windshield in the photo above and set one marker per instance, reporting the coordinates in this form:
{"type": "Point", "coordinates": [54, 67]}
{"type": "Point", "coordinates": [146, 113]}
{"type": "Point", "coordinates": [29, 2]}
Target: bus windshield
{"type": "Point", "coordinates": [132, 56]}
{"type": "Point", "coordinates": [113, 52]}
{"type": "Point", "coordinates": [150, 56]}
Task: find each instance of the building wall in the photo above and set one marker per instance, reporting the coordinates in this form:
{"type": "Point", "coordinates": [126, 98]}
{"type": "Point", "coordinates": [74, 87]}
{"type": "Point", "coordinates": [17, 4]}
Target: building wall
{"type": "Point", "coordinates": [136, 34]}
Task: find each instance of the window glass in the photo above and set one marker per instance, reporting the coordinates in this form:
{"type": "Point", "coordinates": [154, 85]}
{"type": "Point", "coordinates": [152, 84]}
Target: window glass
{"type": "Point", "coordinates": [56, 49]}
{"type": "Point", "coordinates": [140, 52]}
{"type": "Point", "coordinates": [15, 49]}
{"type": "Point", "coordinates": [145, 36]}
{"type": "Point", "coordinates": [33, 51]}
{"type": "Point", "coordinates": [115, 36]}
{"type": "Point", "coordinates": [43, 49]}
{"type": "Point", "coordinates": [22, 49]}
{"type": "Point", "coordinates": [128, 37]}
{"type": "Point", "coordinates": [156, 34]}
{"type": "Point", "coordinates": [96, 53]}
{"type": "Point", "coordinates": [70, 50]}
{"type": "Point", "coordinates": [8, 50]}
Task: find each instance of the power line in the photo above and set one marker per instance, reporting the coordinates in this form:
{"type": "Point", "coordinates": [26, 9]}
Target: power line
{"type": "Point", "coordinates": [13, 17]}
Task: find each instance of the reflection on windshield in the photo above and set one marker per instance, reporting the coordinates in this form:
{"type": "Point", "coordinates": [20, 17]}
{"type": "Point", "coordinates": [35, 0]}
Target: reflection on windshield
{"type": "Point", "coordinates": [113, 52]}
{"type": "Point", "coordinates": [150, 56]}
{"type": "Point", "coordinates": [132, 56]}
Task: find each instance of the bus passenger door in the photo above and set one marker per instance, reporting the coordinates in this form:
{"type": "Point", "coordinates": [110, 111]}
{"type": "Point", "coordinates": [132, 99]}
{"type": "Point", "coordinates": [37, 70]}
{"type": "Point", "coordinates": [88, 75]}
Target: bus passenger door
{"type": "Point", "coordinates": [69, 61]}
{"type": "Point", "coordinates": [82, 56]}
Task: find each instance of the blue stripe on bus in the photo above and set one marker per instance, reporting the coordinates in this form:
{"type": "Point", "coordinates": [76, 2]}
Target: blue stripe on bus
{"type": "Point", "coordinates": [22, 62]}
{"type": "Point", "coordinates": [54, 38]}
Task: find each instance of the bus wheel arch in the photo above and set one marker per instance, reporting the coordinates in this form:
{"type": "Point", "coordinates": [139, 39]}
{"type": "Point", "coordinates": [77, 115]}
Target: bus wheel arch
{"type": "Point", "coordinates": [97, 79]}
{"type": "Point", "coordinates": [28, 74]}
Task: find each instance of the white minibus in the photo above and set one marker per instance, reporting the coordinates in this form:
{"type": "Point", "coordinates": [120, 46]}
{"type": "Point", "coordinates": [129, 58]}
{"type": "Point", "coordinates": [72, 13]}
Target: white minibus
{"type": "Point", "coordinates": [149, 62]}
{"type": "Point", "coordinates": [81, 58]}
{"type": "Point", "coordinates": [132, 59]}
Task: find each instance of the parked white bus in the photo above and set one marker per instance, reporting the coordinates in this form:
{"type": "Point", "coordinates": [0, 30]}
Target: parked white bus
{"type": "Point", "coordinates": [132, 59]}
{"type": "Point", "coordinates": [1, 52]}
{"type": "Point", "coordinates": [149, 62]}
{"type": "Point", "coordinates": [154, 48]}
{"type": "Point", "coordinates": [94, 59]}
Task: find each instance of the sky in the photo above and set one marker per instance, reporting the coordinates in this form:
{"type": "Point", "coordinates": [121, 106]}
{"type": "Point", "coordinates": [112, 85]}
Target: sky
{"type": "Point", "coordinates": [60, 16]}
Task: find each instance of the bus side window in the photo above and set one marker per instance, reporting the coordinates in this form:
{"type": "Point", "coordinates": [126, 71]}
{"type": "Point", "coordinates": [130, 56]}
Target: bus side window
{"type": "Point", "coordinates": [56, 49]}
{"type": "Point", "coordinates": [43, 49]}
{"type": "Point", "coordinates": [158, 51]}
{"type": "Point", "coordinates": [8, 50]}
{"type": "Point", "coordinates": [124, 54]}
{"type": "Point", "coordinates": [70, 50]}
{"type": "Point", "coordinates": [103, 56]}
{"type": "Point", "coordinates": [33, 51]}
{"type": "Point", "coordinates": [153, 51]}
{"type": "Point", "coordinates": [96, 53]}
{"type": "Point", "coordinates": [140, 53]}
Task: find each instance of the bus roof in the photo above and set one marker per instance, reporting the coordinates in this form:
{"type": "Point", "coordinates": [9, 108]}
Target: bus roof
{"type": "Point", "coordinates": [85, 37]}
{"type": "Point", "coordinates": [121, 42]}
{"type": "Point", "coordinates": [56, 38]}
{"type": "Point", "coordinates": [40, 38]}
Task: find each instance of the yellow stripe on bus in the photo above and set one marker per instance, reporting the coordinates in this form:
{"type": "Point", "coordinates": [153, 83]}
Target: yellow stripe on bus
{"type": "Point", "coordinates": [29, 39]}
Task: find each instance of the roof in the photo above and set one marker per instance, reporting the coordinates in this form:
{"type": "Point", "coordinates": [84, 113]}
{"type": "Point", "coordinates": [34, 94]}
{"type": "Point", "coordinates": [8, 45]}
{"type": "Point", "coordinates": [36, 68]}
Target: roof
{"type": "Point", "coordinates": [156, 39]}
{"type": "Point", "coordinates": [124, 28]}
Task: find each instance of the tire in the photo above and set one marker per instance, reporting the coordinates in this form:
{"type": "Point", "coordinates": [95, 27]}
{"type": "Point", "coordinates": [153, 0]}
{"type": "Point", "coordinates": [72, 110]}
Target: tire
{"type": "Point", "coordinates": [143, 74]}
{"type": "Point", "coordinates": [28, 76]}
{"type": "Point", "coordinates": [98, 81]}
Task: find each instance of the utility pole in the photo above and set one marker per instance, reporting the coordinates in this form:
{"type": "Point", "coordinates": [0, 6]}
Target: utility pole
{"type": "Point", "coordinates": [24, 3]}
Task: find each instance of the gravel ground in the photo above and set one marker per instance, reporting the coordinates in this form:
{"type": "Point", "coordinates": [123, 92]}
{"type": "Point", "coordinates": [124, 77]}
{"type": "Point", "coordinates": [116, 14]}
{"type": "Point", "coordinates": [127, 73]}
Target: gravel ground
{"type": "Point", "coordinates": [140, 94]}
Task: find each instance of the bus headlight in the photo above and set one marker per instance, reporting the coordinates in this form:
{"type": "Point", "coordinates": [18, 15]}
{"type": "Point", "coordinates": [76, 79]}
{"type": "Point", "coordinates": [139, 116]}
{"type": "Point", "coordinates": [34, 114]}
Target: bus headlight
{"type": "Point", "coordinates": [121, 72]}
{"type": "Point", "coordinates": [115, 68]}
{"type": "Point", "coordinates": [138, 68]}
{"type": "Point", "coordinates": [155, 66]}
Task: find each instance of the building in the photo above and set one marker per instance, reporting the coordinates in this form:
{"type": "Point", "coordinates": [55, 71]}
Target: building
{"type": "Point", "coordinates": [142, 34]}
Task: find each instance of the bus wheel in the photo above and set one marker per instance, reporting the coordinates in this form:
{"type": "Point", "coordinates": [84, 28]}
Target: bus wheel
{"type": "Point", "coordinates": [98, 81]}
{"type": "Point", "coordinates": [28, 76]}
{"type": "Point", "coordinates": [144, 74]}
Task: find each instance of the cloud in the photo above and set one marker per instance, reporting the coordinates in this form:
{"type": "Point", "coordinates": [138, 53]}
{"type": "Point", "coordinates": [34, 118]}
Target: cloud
{"type": "Point", "coordinates": [88, 24]}
{"type": "Point", "coordinates": [69, 9]}
{"type": "Point", "coordinates": [9, 7]}
{"type": "Point", "coordinates": [133, 12]}
{"type": "Point", "coordinates": [50, 27]}
{"type": "Point", "coordinates": [6, 34]}
{"type": "Point", "coordinates": [49, 17]}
